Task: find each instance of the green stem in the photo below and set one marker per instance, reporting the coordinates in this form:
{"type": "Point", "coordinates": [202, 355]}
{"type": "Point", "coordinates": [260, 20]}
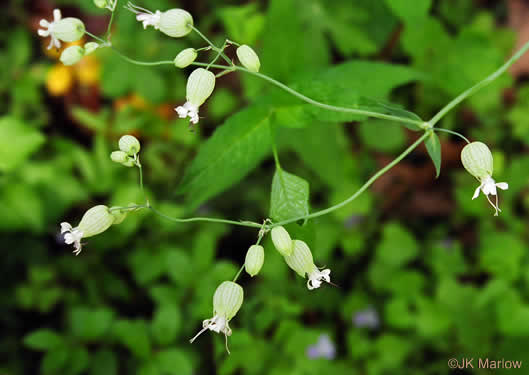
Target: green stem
{"type": "Point", "coordinates": [217, 57]}
{"type": "Point", "coordinates": [214, 47]}
{"type": "Point", "coordinates": [102, 41]}
{"type": "Point", "coordinates": [143, 63]}
{"type": "Point", "coordinates": [479, 85]}
{"type": "Point", "coordinates": [210, 219]}
{"type": "Point", "coordinates": [111, 20]}
{"type": "Point", "coordinates": [359, 191]}
{"type": "Point", "coordinates": [451, 132]}
{"type": "Point", "coordinates": [128, 208]}
{"type": "Point", "coordinates": [238, 273]}
{"type": "Point", "coordinates": [315, 102]}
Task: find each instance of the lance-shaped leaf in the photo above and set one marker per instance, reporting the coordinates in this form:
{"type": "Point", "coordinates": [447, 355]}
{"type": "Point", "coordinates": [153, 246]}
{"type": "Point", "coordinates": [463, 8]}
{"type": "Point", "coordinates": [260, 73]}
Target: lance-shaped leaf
{"type": "Point", "coordinates": [433, 145]}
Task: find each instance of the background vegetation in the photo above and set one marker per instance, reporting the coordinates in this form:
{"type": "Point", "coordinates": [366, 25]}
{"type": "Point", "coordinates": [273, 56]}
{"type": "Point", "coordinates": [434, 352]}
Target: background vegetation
{"type": "Point", "coordinates": [425, 274]}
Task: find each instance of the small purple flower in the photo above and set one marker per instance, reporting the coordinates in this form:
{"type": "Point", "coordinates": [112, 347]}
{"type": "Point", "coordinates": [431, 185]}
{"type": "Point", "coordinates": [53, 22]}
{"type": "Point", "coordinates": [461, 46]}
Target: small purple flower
{"type": "Point", "coordinates": [324, 348]}
{"type": "Point", "coordinates": [367, 318]}
{"type": "Point", "coordinates": [353, 221]}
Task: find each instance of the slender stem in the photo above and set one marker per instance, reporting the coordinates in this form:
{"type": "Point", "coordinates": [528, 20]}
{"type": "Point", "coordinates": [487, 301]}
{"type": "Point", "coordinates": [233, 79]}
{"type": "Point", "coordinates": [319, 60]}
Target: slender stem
{"type": "Point", "coordinates": [111, 20]}
{"type": "Point", "coordinates": [128, 208]}
{"type": "Point", "coordinates": [143, 63]}
{"type": "Point", "coordinates": [210, 219]}
{"type": "Point", "coordinates": [479, 85]}
{"type": "Point", "coordinates": [238, 273]}
{"type": "Point", "coordinates": [451, 132]}
{"type": "Point", "coordinates": [315, 102]}
{"type": "Point", "coordinates": [141, 178]}
{"type": "Point", "coordinates": [215, 48]}
{"type": "Point", "coordinates": [362, 189]}
{"type": "Point", "coordinates": [217, 56]}
{"type": "Point", "coordinates": [96, 37]}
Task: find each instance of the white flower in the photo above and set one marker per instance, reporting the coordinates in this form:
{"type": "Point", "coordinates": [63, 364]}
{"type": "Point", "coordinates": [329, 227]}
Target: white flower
{"type": "Point", "coordinates": [200, 85]}
{"type": "Point", "coordinates": [72, 236]}
{"type": "Point", "coordinates": [488, 186]}
{"type": "Point", "coordinates": [150, 19]}
{"type": "Point", "coordinates": [173, 22]}
{"type": "Point", "coordinates": [316, 277]}
{"type": "Point", "coordinates": [302, 262]}
{"type": "Point", "coordinates": [227, 300]}
{"type": "Point", "coordinates": [48, 29]}
{"type": "Point", "coordinates": [190, 110]}
{"type": "Point", "coordinates": [94, 221]}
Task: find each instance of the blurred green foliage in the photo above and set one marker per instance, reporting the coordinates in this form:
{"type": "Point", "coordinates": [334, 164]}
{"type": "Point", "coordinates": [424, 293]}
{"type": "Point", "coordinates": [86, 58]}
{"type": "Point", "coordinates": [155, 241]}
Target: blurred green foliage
{"type": "Point", "coordinates": [449, 284]}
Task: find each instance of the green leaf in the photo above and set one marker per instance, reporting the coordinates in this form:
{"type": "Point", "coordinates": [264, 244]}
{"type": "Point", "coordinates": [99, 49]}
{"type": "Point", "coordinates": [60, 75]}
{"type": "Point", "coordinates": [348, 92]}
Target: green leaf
{"type": "Point", "coordinates": [243, 23]}
{"type": "Point", "coordinates": [340, 86]}
{"type": "Point", "coordinates": [95, 121]}
{"type": "Point", "coordinates": [380, 135]}
{"type": "Point", "coordinates": [104, 362]}
{"type": "Point", "coordinates": [433, 145]}
{"type": "Point", "coordinates": [290, 196]}
{"type": "Point", "coordinates": [398, 246]}
{"type": "Point", "coordinates": [90, 324]}
{"type": "Point", "coordinates": [54, 361]}
{"type": "Point", "coordinates": [323, 147]}
{"type": "Point", "coordinates": [173, 362]}
{"type": "Point", "coordinates": [17, 142]}
{"type": "Point", "coordinates": [134, 336]}
{"type": "Point", "coordinates": [43, 339]}
{"type": "Point", "coordinates": [410, 11]}
{"type": "Point", "coordinates": [166, 324]}
{"type": "Point", "coordinates": [228, 155]}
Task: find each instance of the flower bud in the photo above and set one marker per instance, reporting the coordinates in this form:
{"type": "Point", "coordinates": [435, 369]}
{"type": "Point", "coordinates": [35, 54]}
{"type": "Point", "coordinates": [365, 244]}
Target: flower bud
{"type": "Point", "coordinates": [200, 85]}
{"type": "Point", "coordinates": [248, 58]}
{"type": "Point", "coordinates": [254, 260]}
{"type": "Point", "coordinates": [102, 3]}
{"type": "Point", "coordinates": [69, 29]}
{"type": "Point", "coordinates": [477, 160]}
{"type": "Point", "coordinates": [301, 258]}
{"type": "Point", "coordinates": [176, 23]}
{"type": "Point", "coordinates": [129, 144]}
{"type": "Point", "coordinates": [90, 47]}
{"type": "Point", "coordinates": [96, 220]}
{"type": "Point", "coordinates": [227, 299]}
{"type": "Point", "coordinates": [119, 157]}
{"type": "Point", "coordinates": [72, 55]}
{"type": "Point", "coordinates": [282, 241]}
{"type": "Point", "coordinates": [185, 57]}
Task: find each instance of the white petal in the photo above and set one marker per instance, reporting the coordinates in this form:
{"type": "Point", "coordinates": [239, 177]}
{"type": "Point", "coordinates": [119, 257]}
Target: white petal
{"type": "Point", "coordinates": [43, 33]}
{"type": "Point", "coordinates": [44, 23]}
{"type": "Point", "coordinates": [489, 189]}
{"type": "Point", "coordinates": [66, 227]}
{"type": "Point", "coordinates": [182, 112]}
{"type": "Point", "coordinates": [502, 185]}
{"type": "Point", "coordinates": [476, 192]}
{"type": "Point", "coordinates": [69, 238]}
{"type": "Point", "coordinates": [56, 15]}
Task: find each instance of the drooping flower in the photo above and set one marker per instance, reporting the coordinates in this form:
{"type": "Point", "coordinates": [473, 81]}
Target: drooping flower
{"type": "Point", "coordinates": [324, 348]}
{"type": "Point", "coordinates": [66, 29]}
{"type": "Point", "coordinates": [95, 221]}
{"type": "Point", "coordinates": [227, 301]}
{"type": "Point", "coordinates": [200, 85]}
{"type": "Point", "coordinates": [174, 22]}
{"type": "Point", "coordinates": [477, 160]}
{"type": "Point", "coordinates": [301, 261]}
